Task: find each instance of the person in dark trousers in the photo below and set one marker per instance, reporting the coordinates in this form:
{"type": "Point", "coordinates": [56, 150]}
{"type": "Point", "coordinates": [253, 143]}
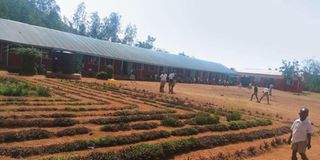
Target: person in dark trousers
{"type": "Point", "coordinates": [265, 94]}
{"type": "Point", "coordinates": [255, 93]}
{"type": "Point", "coordinates": [300, 137]}
{"type": "Point", "coordinates": [172, 81]}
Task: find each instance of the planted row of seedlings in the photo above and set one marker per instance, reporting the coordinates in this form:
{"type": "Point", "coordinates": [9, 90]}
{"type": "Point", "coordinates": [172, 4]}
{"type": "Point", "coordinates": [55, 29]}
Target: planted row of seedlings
{"type": "Point", "coordinates": [171, 148]}
{"type": "Point", "coordinates": [83, 93]}
{"type": "Point", "coordinates": [234, 125]}
{"type": "Point", "coordinates": [127, 127]}
{"type": "Point", "coordinates": [72, 109]}
{"type": "Point", "coordinates": [137, 112]}
{"type": "Point", "coordinates": [34, 134]}
{"type": "Point", "coordinates": [70, 91]}
{"type": "Point", "coordinates": [18, 123]}
{"type": "Point", "coordinates": [107, 96]}
{"type": "Point", "coordinates": [54, 115]}
{"type": "Point", "coordinates": [100, 142]}
{"type": "Point", "coordinates": [133, 118]}
{"type": "Point", "coordinates": [70, 115]}
{"type": "Point", "coordinates": [83, 144]}
{"type": "Point", "coordinates": [240, 154]}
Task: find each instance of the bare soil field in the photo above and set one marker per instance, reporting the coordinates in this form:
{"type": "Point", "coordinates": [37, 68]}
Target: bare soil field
{"type": "Point", "coordinates": [89, 119]}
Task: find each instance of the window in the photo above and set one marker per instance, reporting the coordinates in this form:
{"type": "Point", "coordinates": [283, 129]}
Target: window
{"type": "Point", "coordinates": [151, 68]}
{"type": "Point", "coordinates": [108, 62]}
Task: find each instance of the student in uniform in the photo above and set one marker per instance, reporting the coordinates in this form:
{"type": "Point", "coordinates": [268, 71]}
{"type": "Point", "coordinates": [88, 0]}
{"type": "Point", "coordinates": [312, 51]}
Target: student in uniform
{"type": "Point", "coordinates": [300, 137]}
{"type": "Point", "coordinates": [163, 80]}
{"type": "Point", "coordinates": [265, 93]}
{"type": "Point", "coordinates": [255, 93]}
{"type": "Point", "coordinates": [171, 82]}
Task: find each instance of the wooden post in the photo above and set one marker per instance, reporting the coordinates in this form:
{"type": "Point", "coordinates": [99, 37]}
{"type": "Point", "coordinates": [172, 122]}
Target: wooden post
{"type": "Point", "coordinates": [99, 63]}
{"type": "Point", "coordinates": [8, 55]}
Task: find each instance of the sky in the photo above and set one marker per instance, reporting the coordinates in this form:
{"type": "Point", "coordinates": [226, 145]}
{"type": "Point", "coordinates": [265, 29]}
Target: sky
{"type": "Point", "coordinates": [248, 35]}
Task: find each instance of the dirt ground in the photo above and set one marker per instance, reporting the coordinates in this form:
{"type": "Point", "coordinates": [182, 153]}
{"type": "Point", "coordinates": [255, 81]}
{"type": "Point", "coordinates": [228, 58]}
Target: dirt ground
{"type": "Point", "coordinates": [283, 109]}
{"type": "Point", "coordinates": [283, 104]}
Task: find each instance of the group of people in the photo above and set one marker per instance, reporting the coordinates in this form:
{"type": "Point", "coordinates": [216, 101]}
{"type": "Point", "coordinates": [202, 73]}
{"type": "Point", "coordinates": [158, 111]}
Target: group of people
{"type": "Point", "coordinates": [171, 79]}
{"type": "Point", "coordinates": [267, 91]}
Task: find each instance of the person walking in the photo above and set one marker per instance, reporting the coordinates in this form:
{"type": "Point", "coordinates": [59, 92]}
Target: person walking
{"type": "Point", "coordinates": [270, 89]}
{"type": "Point", "coordinates": [265, 94]}
{"type": "Point", "coordinates": [300, 137]}
{"type": "Point", "coordinates": [255, 93]}
{"type": "Point", "coordinates": [163, 80]}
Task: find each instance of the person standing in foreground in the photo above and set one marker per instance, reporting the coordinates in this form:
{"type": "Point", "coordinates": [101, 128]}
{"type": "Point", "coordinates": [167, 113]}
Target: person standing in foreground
{"type": "Point", "coordinates": [163, 80]}
{"type": "Point", "coordinates": [255, 93]}
{"type": "Point", "coordinates": [300, 136]}
{"type": "Point", "coordinates": [171, 82]}
{"type": "Point", "coordinates": [265, 93]}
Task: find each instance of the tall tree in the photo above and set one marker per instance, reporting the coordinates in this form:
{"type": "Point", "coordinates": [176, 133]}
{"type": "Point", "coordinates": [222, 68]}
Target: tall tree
{"type": "Point", "coordinates": [111, 27]}
{"type": "Point", "coordinates": [80, 19]}
{"type": "Point", "coordinates": [311, 75]}
{"type": "Point", "coordinates": [95, 25]}
{"type": "Point", "coordinates": [148, 44]}
{"type": "Point", "coordinates": [291, 71]}
{"type": "Point", "coordinates": [129, 35]}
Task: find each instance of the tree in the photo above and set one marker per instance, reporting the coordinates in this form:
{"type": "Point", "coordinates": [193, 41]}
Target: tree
{"type": "Point", "coordinates": [44, 13]}
{"type": "Point", "coordinates": [291, 71]}
{"type": "Point", "coordinates": [28, 59]}
{"type": "Point", "coordinates": [183, 54]}
{"type": "Point", "coordinates": [129, 35]}
{"type": "Point", "coordinates": [311, 75]}
{"type": "Point", "coordinates": [80, 19]}
{"type": "Point", "coordinates": [95, 25]}
{"type": "Point", "coordinates": [148, 44]}
{"type": "Point", "coordinates": [111, 27]}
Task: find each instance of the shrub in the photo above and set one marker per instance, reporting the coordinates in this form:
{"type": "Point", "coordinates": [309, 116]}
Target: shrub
{"type": "Point", "coordinates": [234, 126]}
{"type": "Point", "coordinates": [102, 75]}
{"type": "Point", "coordinates": [73, 131]}
{"type": "Point", "coordinates": [43, 91]}
{"type": "Point", "coordinates": [204, 118]}
{"type": "Point", "coordinates": [171, 122]}
{"type": "Point", "coordinates": [233, 116]}
{"type": "Point", "coordinates": [162, 150]}
{"type": "Point", "coordinates": [110, 71]}
{"type": "Point", "coordinates": [117, 127]}
{"type": "Point", "coordinates": [142, 152]}
{"type": "Point", "coordinates": [25, 135]}
{"type": "Point", "coordinates": [144, 125]}
{"type": "Point", "coordinates": [59, 122]}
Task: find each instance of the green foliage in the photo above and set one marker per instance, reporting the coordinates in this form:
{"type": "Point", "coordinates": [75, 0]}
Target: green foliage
{"type": "Point", "coordinates": [148, 44]}
{"type": "Point", "coordinates": [171, 122]}
{"type": "Point", "coordinates": [33, 52]}
{"type": "Point", "coordinates": [311, 75]}
{"type": "Point", "coordinates": [118, 127]}
{"type": "Point", "coordinates": [13, 87]}
{"type": "Point", "coordinates": [43, 91]}
{"type": "Point", "coordinates": [143, 152]}
{"type": "Point", "coordinates": [109, 71]}
{"type": "Point", "coordinates": [102, 75]}
{"type": "Point", "coordinates": [291, 71]}
{"type": "Point", "coordinates": [29, 55]}
{"type": "Point", "coordinates": [233, 116]}
{"type": "Point", "coordinates": [204, 118]}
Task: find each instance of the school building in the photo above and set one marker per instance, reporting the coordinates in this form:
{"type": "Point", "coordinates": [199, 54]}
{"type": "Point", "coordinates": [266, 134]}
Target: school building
{"type": "Point", "coordinates": [265, 79]}
{"type": "Point", "coordinates": [64, 49]}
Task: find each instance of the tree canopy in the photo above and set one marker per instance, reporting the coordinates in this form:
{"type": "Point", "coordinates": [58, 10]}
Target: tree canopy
{"type": "Point", "coordinates": [46, 13]}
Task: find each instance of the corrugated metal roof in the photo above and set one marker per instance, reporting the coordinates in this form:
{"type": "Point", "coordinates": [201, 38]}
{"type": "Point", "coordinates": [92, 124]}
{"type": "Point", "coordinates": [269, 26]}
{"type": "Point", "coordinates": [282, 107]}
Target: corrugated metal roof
{"type": "Point", "coordinates": [22, 33]}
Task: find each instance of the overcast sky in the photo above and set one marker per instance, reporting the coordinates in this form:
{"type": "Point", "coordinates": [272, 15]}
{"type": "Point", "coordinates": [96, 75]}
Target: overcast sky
{"type": "Point", "coordinates": [244, 34]}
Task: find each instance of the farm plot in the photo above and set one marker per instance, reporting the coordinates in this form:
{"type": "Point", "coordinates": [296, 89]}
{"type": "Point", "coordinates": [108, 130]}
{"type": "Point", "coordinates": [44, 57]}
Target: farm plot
{"type": "Point", "coordinates": [83, 120]}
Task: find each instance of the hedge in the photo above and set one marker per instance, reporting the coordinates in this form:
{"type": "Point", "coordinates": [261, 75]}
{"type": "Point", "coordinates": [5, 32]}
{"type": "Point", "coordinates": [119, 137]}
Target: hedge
{"type": "Point", "coordinates": [168, 149]}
